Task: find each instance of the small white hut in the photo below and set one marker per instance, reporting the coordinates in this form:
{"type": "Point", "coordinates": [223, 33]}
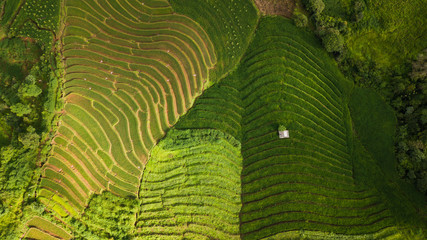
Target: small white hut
{"type": "Point", "coordinates": [283, 132]}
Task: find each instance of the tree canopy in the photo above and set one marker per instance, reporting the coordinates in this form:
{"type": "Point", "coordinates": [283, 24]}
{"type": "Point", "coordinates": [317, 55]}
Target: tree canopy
{"type": "Point", "coordinates": [333, 41]}
{"type": "Point", "coordinates": [20, 109]}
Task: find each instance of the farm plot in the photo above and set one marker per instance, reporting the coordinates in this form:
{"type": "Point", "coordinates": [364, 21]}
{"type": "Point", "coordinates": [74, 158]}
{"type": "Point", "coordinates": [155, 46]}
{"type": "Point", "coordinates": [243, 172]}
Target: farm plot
{"type": "Point", "coordinates": [191, 187]}
{"type": "Point", "coordinates": [229, 24]}
{"type": "Point", "coordinates": [42, 229]}
{"type": "Point", "coordinates": [220, 108]}
{"type": "Point", "coordinates": [306, 181]}
{"type": "Point", "coordinates": [132, 68]}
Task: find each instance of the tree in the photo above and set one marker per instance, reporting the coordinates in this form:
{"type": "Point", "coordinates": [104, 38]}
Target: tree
{"type": "Point", "coordinates": [314, 6]}
{"type": "Point", "coordinates": [110, 217]}
{"type": "Point", "coordinates": [20, 109]}
{"type": "Point", "coordinates": [30, 79]}
{"type": "Point", "coordinates": [29, 90]}
{"type": "Point", "coordinates": [30, 140]}
{"type": "Point", "coordinates": [300, 20]}
{"type": "Point", "coordinates": [333, 41]}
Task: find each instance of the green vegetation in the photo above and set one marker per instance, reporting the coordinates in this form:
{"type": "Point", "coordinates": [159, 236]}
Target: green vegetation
{"type": "Point", "coordinates": [132, 69]}
{"type": "Point", "coordinates": [373, 153]}
{"type": "Point", "coordinates": [37, 20]}
{"type": "Point", "coordinates": [106, 217]}
{"type": "Point", "coordinates": [314, 6]}
{"type": "Point", "coordinates": [220, 107]}
{"type": "Point", "coordinates": [333, 186]}
{"type": "Point", "coordinates": [333, 41]}
{"type": "Point", "coordinates": [191, 187]}
{"type": "Point", "coordinates": [393, 30]}
{"type": "Point", "coordinates": [159, 119]}
{"type": "Point", "coordinates": [49, 227]}
{"type": "Point", "coordinates": [375, 122]}
{"type": "Point", "coordinates": [380, 38]}
{"type": "Point", "coordinates": [229, 24]}
{"type": "Point", "coordinates": [323, 195]}
{"type": "Point", "coordinates": [300, 19]}
{"type": "Point", "coordinates": [28, 100]}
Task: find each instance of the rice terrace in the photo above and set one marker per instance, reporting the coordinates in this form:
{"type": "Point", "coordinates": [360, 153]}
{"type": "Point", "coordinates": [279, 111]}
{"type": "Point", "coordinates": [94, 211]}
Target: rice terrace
{"type": "Point", "coordinates": [213, 119]}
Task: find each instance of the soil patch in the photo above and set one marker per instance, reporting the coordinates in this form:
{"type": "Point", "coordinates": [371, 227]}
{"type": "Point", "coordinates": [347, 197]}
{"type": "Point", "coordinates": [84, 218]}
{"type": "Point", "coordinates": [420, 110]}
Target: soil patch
{"type": "Point", "coordinates": [283, 8]}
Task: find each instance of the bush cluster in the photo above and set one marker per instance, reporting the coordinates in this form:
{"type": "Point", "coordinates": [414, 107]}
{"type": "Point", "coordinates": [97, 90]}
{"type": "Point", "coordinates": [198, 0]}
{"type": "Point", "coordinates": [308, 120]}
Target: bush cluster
{"type": "Point", "coordinates": [329, 29]}
{"type": "Point", "coordinates": [409, 99]}
{"type": "Point", "coordinates": [300, 19]}
{"type": "Point", "coordinates": [314, 6]}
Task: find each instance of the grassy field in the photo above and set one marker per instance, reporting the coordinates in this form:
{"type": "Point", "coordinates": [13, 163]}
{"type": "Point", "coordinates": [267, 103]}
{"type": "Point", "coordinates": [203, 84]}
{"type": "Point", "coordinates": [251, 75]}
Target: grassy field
{"type": "Point", "coordinates": [220, 108]}
{"type": "Point", "coordinates": [305, 182]}
{"type": "Point", "coordinates": [375, 123]}
{"type": "Point", "coordinates": [390, 32]}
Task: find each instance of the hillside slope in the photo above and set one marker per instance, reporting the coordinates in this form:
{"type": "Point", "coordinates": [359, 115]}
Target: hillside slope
{"type": "Point", "coordinates": [306, 182]}
{"type": "Point", "coordinates": [222, 172]}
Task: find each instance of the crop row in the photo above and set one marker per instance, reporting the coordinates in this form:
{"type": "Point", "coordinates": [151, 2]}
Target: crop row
{"type": "Point", "coordinates": [306, 181]}
{"type": "Point", "coordinates": [229, 24]}
{"type": "Point", "coordinates": [37, 234]}
{"type": "Point", "coordinates": [368, 228]}
{"type": "Point", "coordinates": [131, 69]}
{"type": "Point", "coordinates": [48, 227]}
{"type": "Point", "coordinates": [287, 101]}
{"type": "Point", "coordinates": [218, 108]}
{"type": "Point", "coordinates": [192, 183]}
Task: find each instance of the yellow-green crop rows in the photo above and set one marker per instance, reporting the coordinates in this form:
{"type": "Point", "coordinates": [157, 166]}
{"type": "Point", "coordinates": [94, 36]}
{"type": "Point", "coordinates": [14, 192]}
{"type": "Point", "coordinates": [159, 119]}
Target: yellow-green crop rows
{"type": "Point", "coordinates": [132, 68]}
{"type": "Point", "coordinates": [42, 229]}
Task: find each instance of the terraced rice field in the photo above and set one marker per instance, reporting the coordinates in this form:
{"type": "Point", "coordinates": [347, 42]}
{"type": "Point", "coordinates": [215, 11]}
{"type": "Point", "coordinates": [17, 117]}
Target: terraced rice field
{"type": "Point", "coordinates": [42, 229]}
{"type": "Point", "coordinates": [220, 107]}
{"type": "Point", "coordinates": [287, 185]}
{"type": "Point", "coordinates": [132, 68]}
{"type": "Point", "coordinates": [304, 182]}
{"type": "Point", "coordinates": [230, 25]}
{"type": "Point", "coordinates": [191, 187]}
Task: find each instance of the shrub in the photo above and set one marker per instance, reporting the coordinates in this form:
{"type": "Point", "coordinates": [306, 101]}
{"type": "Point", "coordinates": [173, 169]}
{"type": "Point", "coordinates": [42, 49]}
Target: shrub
{"type": "Point", "coordinates": [333, 41]}
{"type": "Point", "coordinates": [282, 127]}
{"type": "Point", "coordinates": [314, 6]}
{"type": "Point", "coordinates": [300, 20]}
